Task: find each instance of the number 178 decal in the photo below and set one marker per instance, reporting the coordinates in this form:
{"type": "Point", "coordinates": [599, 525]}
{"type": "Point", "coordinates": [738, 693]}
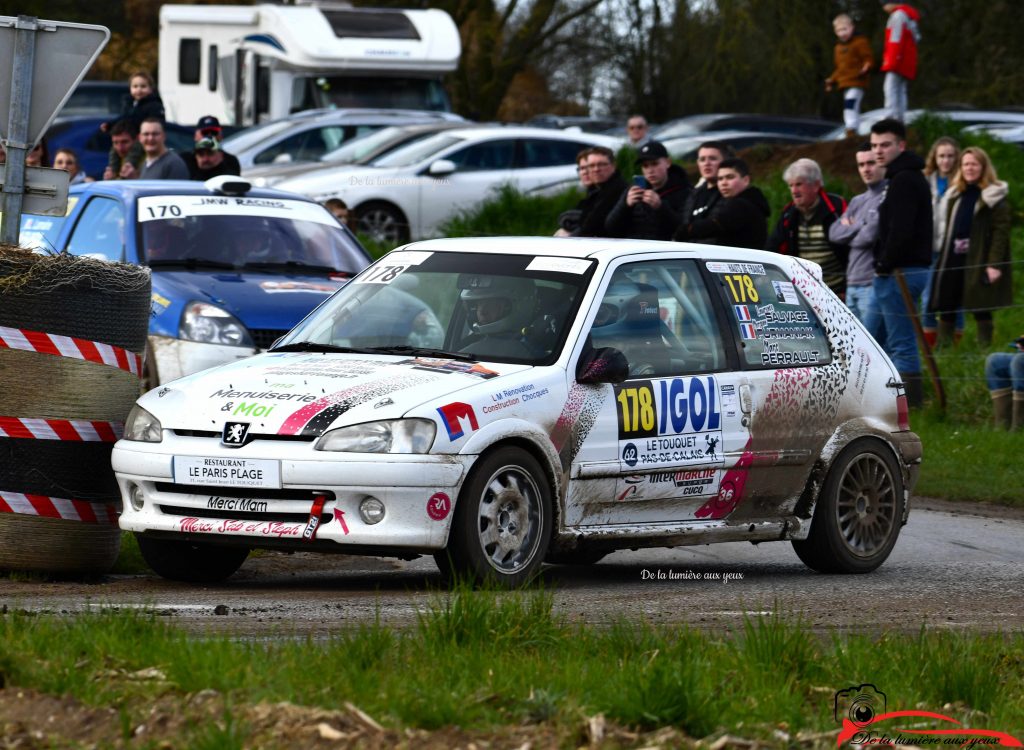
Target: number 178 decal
{"type": "Point", "coordinates": [673, 406]}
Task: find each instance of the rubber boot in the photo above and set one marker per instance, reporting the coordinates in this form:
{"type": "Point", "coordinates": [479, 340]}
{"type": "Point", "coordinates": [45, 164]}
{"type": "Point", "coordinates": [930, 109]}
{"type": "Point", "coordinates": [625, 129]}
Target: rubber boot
{"type": "Point", "coordinates": [1017, 422]}
{"type": "Point", "coordinates": [1001, 407]}
{"type": "Point", "coordinates": [984, 333]}
{"type": "Point", "coordinates": [946, 333]}
{"type": "Point", "coordinates": [931, 335]}
{"type": "Point", "coordinates": [914, 390]}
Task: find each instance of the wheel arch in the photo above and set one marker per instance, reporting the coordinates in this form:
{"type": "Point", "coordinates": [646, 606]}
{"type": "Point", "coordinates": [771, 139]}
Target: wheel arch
{"type": "Point", "coordinates": [848, 434]}
{"type": "Point", "coordinates": [391, 206]}
{"type": "Point", "coordinates": [544, 455]}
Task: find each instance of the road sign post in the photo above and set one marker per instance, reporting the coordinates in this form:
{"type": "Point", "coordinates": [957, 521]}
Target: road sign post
{"type": "Point", "coordinates": [35, 94]}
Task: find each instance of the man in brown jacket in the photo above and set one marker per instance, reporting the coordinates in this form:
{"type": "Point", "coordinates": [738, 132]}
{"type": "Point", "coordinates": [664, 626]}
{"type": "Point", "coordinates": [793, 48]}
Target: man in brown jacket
{"type": "Point", "coordinates": [853, 61]}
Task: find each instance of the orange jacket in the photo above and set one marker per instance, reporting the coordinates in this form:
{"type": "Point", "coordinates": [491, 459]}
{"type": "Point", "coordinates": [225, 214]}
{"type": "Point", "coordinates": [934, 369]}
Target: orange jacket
{"type": "Point", "coordinates": [850, 57]}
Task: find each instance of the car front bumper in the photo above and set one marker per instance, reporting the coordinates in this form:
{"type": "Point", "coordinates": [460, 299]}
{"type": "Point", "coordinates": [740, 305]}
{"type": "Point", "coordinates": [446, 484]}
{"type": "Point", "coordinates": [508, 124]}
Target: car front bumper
{"type": "Point", "coordinates": [418, 493]}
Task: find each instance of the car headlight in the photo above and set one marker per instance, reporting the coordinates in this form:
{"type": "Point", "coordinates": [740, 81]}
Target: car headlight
{"type": "Point", "coordinates": [388, 436]}
{"type": "Point", "coordinates": [210, 324]}
{"type": "Point", "coordinates": [142, 426]}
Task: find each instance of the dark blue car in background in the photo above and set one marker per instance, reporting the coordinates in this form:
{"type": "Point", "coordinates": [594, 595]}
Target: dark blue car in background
{"type": "Point", "coordinates": [234, 268]}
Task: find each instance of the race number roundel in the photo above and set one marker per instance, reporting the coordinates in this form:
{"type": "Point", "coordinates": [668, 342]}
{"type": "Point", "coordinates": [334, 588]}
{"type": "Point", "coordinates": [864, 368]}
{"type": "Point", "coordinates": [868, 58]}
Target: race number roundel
{"type": "Point", "coordinates": [439, 506]}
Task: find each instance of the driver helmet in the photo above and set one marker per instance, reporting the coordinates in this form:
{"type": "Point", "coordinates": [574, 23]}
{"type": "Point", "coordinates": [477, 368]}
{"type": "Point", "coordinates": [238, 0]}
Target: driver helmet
{"type": "Point", "coordinates": [616, 302]}
{"type": "Point", "coordinates": [513, 301]}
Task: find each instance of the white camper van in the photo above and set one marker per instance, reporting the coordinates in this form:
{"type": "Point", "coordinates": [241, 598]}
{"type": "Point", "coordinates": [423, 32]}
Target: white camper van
{"type": "Point", "coordinates": [251, 63]}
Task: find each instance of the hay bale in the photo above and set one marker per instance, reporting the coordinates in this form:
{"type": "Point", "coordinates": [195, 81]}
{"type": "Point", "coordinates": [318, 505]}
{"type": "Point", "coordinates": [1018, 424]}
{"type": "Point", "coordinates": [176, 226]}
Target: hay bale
{"type": "Point", "coordinates": [83, 298]}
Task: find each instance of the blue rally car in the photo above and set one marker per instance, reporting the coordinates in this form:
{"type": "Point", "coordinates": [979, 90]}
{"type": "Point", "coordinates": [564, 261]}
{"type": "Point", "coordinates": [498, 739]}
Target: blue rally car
{"type": "Point", "coordinates": [234, 268]}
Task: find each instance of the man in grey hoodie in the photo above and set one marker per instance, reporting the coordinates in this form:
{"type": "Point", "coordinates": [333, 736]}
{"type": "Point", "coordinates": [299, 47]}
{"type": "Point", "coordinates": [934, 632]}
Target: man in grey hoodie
{"type": "Point", "coordinates": [858, 228]}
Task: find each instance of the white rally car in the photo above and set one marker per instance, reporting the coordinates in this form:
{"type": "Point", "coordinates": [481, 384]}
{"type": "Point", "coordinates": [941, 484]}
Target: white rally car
{"type": "Point", "coordinates": [503, 402]}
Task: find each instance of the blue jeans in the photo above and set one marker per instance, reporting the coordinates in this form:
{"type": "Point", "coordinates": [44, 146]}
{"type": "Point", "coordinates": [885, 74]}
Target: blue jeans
{"type": "Point", "coordinates": [1005, 370]}
{"type": "Point", "coordinates": [861, 301]}
{"type": "Point", "coordinates": [893, 329]}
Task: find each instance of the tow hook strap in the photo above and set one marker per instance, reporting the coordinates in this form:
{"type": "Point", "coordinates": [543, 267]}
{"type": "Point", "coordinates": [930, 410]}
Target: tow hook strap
{"type": "Point", "coordinates": [309, 533]}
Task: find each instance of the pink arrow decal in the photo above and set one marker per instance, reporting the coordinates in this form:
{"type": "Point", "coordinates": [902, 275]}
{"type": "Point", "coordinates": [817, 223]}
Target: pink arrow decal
{"type": "Point", "coordinates": [339, 516]}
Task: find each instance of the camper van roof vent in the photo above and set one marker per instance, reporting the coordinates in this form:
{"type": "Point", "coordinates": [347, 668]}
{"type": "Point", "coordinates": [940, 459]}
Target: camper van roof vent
{"type": "Point", "coordinates": [371, 24]}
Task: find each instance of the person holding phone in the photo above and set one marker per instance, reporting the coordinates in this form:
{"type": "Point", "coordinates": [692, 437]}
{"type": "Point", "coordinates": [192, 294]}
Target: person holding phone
{"type": "Point", "coordinates": [651, 208]}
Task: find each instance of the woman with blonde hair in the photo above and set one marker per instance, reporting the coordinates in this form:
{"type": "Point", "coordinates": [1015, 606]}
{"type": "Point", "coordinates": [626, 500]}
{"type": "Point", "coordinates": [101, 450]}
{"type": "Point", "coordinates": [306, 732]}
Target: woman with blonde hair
{"type": "Point", "coordinates": [939, 169]}
{"type": "Point", "coordinates": [973, 271]}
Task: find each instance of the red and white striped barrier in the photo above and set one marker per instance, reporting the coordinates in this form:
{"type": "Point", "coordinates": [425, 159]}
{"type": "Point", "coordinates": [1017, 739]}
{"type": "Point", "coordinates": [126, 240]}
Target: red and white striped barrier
{"type": "Point", "coordinates": [57, 507]}
{"type": "Point", "coordinates": [61, 429]}
{"type": "Point", "coordinates": [66, 346]}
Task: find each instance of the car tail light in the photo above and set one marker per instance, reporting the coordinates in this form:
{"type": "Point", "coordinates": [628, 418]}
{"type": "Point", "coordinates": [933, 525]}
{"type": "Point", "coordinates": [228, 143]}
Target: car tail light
{"type": "Point", "coordinates": [902, 413]}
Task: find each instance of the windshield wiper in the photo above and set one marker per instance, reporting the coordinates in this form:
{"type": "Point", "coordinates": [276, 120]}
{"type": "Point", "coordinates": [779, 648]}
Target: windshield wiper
{"type": "Point", "coordinates": [421, 351]}
{"type": "Point", "coordinates": [312, 346]}
{"type": "Point", "coordinates": [296, 265]}
{"type": "Point", "coordinates": [192, 263]}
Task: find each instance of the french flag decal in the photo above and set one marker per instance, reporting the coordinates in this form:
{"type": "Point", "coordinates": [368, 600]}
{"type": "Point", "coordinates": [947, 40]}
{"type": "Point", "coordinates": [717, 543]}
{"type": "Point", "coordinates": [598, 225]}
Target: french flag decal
{"type": "Point", "coordinates": [747, 331]}
{"type": "Point", "coordinates": [742, 313]}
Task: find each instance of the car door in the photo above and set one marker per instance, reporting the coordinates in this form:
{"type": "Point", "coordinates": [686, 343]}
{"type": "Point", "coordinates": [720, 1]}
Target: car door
{"type": "Point", "coordinates": [783, 349]}
{"type": "Point", "coordinates": [480, 168]}
{"type": "Point", "coordinates": [668, 441]}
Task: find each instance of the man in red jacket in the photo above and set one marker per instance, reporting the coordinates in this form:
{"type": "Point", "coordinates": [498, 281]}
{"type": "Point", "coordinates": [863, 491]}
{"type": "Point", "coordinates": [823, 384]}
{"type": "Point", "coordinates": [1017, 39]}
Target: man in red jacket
{"type": "Point", "coordinates": [899, 57]}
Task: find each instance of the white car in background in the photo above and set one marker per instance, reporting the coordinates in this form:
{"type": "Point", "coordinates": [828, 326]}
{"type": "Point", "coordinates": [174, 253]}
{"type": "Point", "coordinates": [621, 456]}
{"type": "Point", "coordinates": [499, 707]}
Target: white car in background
{"type": "Point", "coordinates": [306, 136]}
{"type": "Point", "coordinates": [410, 192]}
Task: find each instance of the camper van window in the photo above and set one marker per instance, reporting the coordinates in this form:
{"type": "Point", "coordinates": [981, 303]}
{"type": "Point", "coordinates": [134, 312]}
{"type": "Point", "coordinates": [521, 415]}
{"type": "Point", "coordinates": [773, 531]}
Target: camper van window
{"type": "Point", "coordinates": [211, 73]}
{"type": "Point", "coordinates": [189, 51]}
{"type": "Point", "coordinates": [371, 24]}
{"type": "Point", "coordinates": [369, 91]}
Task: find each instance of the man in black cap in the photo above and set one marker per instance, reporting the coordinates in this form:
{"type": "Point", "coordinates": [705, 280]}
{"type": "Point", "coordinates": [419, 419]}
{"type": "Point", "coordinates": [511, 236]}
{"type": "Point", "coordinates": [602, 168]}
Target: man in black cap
{"type": "Point", "coordinates": [207, 159]}
{"type": "Point", "coordinates": [652, 208]}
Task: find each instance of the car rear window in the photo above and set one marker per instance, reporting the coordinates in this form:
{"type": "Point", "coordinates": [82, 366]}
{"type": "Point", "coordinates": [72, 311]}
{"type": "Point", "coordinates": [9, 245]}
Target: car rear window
{"type": "Point", "coordinates": [775, 325]}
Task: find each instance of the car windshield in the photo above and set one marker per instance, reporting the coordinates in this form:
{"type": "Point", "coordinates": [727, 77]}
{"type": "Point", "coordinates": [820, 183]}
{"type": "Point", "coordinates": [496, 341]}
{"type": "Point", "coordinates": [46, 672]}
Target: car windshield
{"type": "Point", "coordinates": [416, 152]}
{"type": "Point", "coordinates": [477, 306]}
{"type": "Point", "coordinates": [215, 231]}
{"type": "Point", "coordinates": [356, 150]}
{"type": "Point", "coordinates": [245, 139]}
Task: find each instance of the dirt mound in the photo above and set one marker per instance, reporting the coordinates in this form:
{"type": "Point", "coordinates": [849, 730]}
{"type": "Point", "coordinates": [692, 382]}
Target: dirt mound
{"type": "Point", "coordinates": [836, 158]}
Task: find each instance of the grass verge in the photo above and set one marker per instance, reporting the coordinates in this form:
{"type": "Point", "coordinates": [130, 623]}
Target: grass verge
{"type": "Point", "coordinates": [484, 660]}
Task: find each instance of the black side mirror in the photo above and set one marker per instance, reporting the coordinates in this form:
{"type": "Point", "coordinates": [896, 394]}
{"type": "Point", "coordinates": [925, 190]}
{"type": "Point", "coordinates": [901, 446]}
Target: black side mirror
{"type": "Point", "coordinates": [604, 365]}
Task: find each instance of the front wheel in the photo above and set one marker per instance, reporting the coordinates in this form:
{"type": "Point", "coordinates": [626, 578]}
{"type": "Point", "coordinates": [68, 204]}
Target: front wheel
{"type": "Point", "coordinates": [859, 512]}
{"type": "Point", "coordinates": [192, 562]}
{"type": "Point", "coordinates": [502, 524]}
{"type": "Point", "coordinates": [383, 223]}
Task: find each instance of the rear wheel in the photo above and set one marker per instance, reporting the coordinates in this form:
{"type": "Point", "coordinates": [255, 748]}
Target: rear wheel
{"type": "Point", "coordinates": [502, 524]}
{"type": "Point", "coordinates": [383, 223]}
{"type": "Point", "coordinates": [858, 515]}
{"type": "Point", "coordinates": [192, 562]}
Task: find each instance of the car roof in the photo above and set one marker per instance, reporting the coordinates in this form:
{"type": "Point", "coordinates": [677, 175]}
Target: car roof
{"type": "Point", "coordinates": [599, 248]}
{"type": "Point", "coordinates": [132, 189]}
{"type": "Point", "coordinates": [481, 132]}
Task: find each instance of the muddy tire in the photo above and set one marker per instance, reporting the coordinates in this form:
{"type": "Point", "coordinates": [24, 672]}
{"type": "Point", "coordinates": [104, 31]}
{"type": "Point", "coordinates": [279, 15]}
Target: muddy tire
{"type": "Point", "coordinates": [191, 562]}
{"type": "Point", "coordinates": [502, 524]}
{"type": "Point", "coordinates": [859, 512]}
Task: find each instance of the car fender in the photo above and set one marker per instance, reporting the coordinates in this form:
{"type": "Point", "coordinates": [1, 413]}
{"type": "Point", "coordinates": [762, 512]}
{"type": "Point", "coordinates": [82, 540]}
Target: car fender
{"type": "Point", "coordinates": [521, 431]}
{"type": "Point", "coordinates": [845, 434]}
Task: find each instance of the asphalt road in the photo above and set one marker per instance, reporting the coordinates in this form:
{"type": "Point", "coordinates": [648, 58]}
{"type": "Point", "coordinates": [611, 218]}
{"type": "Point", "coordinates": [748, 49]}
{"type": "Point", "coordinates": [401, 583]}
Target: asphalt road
{"type": "Point", "coordinates": [955, 567]}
